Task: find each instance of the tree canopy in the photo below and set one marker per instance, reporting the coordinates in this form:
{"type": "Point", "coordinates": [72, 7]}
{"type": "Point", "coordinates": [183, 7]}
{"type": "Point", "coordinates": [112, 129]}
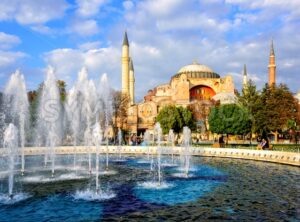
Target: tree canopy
{"type": "Point", "coordinates": [250, 100]}
{"type": "Point", "coordinates": [229, 119]}
{"type": "Point", "coordinates": [275, 108]}
{"type": "Point", "coordinates": [172, 117]}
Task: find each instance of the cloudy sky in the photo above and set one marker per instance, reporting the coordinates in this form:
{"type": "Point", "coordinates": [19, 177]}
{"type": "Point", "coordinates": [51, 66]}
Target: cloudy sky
{"type": "Point", "coordinates": [164, 35]}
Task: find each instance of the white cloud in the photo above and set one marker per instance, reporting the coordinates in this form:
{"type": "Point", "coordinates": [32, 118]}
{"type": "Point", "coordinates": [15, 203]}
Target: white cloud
{"type": "Point", "coordinates": [179, 15]}
{"type": "Point", "coordinates": [32, 11]}
{"type": "Point", "coordinates": [90, 45]}
{"type": "Point", "coordinates": [102, 59]}
{"type": "Point", "coordinates": [43, 29]}
{"type": "Point", "coordinates": [85, 27]}
{"type": "Point", "coordinates": [8, 41]}
{"type": "Point", "coordinates": [128, 5]}
{"type": "Point", "coordinates": [144, 50]}
{"type": "Point", "coordinates": [165, 35]}
{"type": "Point", "coordinates": [65, 61]}
{"type": "Point", "coordinates": [68, 62]}
{"type": "Point", "coordinates": [288, 63]}
{"type": "Point", "coordinates": [276, 6]}
{"type": "Point", "coordinates": [200, 21]}
{"type": "Point", "coordinates": [10, 58]}
{"type": "Point", "coordinates": [162, 8]}
{"type": "Point", "coordinates": [220, 37]}
{"type": "Point", "coordinates": [87, 8]}
{"type": "Point", "coordinates": [7, 9]}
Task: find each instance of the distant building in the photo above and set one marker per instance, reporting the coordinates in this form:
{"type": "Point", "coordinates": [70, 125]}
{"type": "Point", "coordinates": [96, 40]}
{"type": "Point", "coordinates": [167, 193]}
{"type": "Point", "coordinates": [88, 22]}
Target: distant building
{"type": "Point", "coordinates": [192, 83]}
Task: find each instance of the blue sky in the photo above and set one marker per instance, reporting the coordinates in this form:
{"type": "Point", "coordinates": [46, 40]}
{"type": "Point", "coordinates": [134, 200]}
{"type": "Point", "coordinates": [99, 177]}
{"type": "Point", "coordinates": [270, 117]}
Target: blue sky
{"type": "Point", "coordinates": [164, 35]}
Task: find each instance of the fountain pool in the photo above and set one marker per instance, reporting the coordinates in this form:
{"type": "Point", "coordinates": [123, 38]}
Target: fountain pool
{"type": "Point", "coordinates": [69, 171]}
{"type": "Point", "coordinates": [217, 188]}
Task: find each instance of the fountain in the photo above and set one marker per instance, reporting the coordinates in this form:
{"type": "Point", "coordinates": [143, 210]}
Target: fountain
{"type": "Point", "coordinates": [79, 107]}
{"type": "Point", "coordinates": [53, 140]}
{"type": "Point", "coordinates": [91, 109]}
{"type": "Point", "coordinates": [158, 131]}
{"type": "Point", "coordinates": [105, 96]}
{"type": "Point", "coordinates": [98, 194]}
{"type": "Point", "coordinates": [120, 143]}
{"type": "Point", "coordinates": [156, 183]}
{"type": "Point", "coordinates": [74, 116]}
{"type": "Point", "coordinates": [147, 143]}
{"type": "Point", "coordinates": [87, 139]}
{"type": "Point", "coordinates": [171, 141]}
{"type": "Point", "coordinates": [83, 119]}
{"type": "Point", "coordinates": [17, 107]}
{"type": "Point", "coordinates": [11, 143]}
{"type": "Point", "coordinates": [82, 108]}
{"type": "Point", "coordinates": [97, 134]}
{"type": "Point", "coordinates": [186, 150]}
{"type": "Point", "coordinates": [107, 151]}
{"type": "Point", "coordinates": [50, 116]}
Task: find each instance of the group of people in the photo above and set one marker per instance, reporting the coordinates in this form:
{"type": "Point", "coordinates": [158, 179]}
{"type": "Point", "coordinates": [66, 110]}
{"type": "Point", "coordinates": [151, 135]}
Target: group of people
{"type": "Point", "coordinates": [262, 143]}
{"type": "Point", "coordinates": [134, 140]}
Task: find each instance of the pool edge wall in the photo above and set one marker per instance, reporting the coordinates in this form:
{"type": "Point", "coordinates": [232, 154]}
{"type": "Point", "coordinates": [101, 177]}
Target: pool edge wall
{"type": "Point", "coordinates": [290, 158]}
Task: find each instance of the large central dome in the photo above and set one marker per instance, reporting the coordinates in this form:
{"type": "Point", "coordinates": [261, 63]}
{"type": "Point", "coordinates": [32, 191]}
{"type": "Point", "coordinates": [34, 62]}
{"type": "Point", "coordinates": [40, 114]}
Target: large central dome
{"type": "Point", "coordinates": [195, 67]}
{"type": "Point", "coordinates": [196, 70]}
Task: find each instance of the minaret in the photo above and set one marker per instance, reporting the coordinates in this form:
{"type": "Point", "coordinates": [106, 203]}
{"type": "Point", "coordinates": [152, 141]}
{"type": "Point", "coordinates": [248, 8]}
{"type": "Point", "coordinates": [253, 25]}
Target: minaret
{"type": "Point", "coordinates": [125, 65]}
{"type": "Point", "coordinates": [245, 81]}
{"type": "Point", "coordinates": [272, 66]}
{"type": "Point", "coordinates": [131, 82]}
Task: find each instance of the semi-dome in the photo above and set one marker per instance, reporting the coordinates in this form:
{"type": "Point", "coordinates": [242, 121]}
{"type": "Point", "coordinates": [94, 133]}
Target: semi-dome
{"type": "Point", "coordinates": [196, 70]}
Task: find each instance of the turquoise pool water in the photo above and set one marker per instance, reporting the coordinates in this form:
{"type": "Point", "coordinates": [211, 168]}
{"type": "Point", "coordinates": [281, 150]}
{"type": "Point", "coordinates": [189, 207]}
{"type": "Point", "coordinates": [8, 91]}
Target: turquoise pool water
{"type": "Point", "coordinates": [215, 189]}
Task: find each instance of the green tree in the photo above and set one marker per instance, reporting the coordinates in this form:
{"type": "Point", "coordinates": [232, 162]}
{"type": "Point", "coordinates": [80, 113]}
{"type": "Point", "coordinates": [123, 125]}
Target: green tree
{"type": "Point", "coordinates": [62, 89]}
{"type": "Point", "coordinates": [249, 97]}
{"type": "Point", "coordinates": [172, 117]}
{"type": "Point", "coordinates": [229, 119]}
{"type": "Point", "coordinates": [276, 107]}
{"type": "Point", "coordinates": [250, 100]}
{"type": "Point", "coordinates": [187, 117]}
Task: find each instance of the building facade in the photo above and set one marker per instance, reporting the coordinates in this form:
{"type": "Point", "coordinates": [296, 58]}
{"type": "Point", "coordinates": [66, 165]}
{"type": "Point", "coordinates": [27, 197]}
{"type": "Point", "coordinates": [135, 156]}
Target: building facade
{"type": "Point", "coordinates": [192, 83]}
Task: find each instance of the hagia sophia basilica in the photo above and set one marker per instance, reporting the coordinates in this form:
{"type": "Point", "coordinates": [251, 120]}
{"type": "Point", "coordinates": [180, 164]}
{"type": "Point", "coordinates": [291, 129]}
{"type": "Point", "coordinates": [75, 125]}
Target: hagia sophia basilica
{"type": "Point", "coordinates": [193, 83]}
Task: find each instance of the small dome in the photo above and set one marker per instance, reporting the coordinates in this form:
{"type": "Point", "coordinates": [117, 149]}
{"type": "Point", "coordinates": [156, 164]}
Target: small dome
{"type": "Point", "coordinates": [195, 67]}
{"type": "Point", "coordinates": [196, 70]}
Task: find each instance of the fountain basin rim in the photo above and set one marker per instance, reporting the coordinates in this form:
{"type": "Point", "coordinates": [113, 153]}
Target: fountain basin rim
{"type": "Point", "coordinates": [288, 158]}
